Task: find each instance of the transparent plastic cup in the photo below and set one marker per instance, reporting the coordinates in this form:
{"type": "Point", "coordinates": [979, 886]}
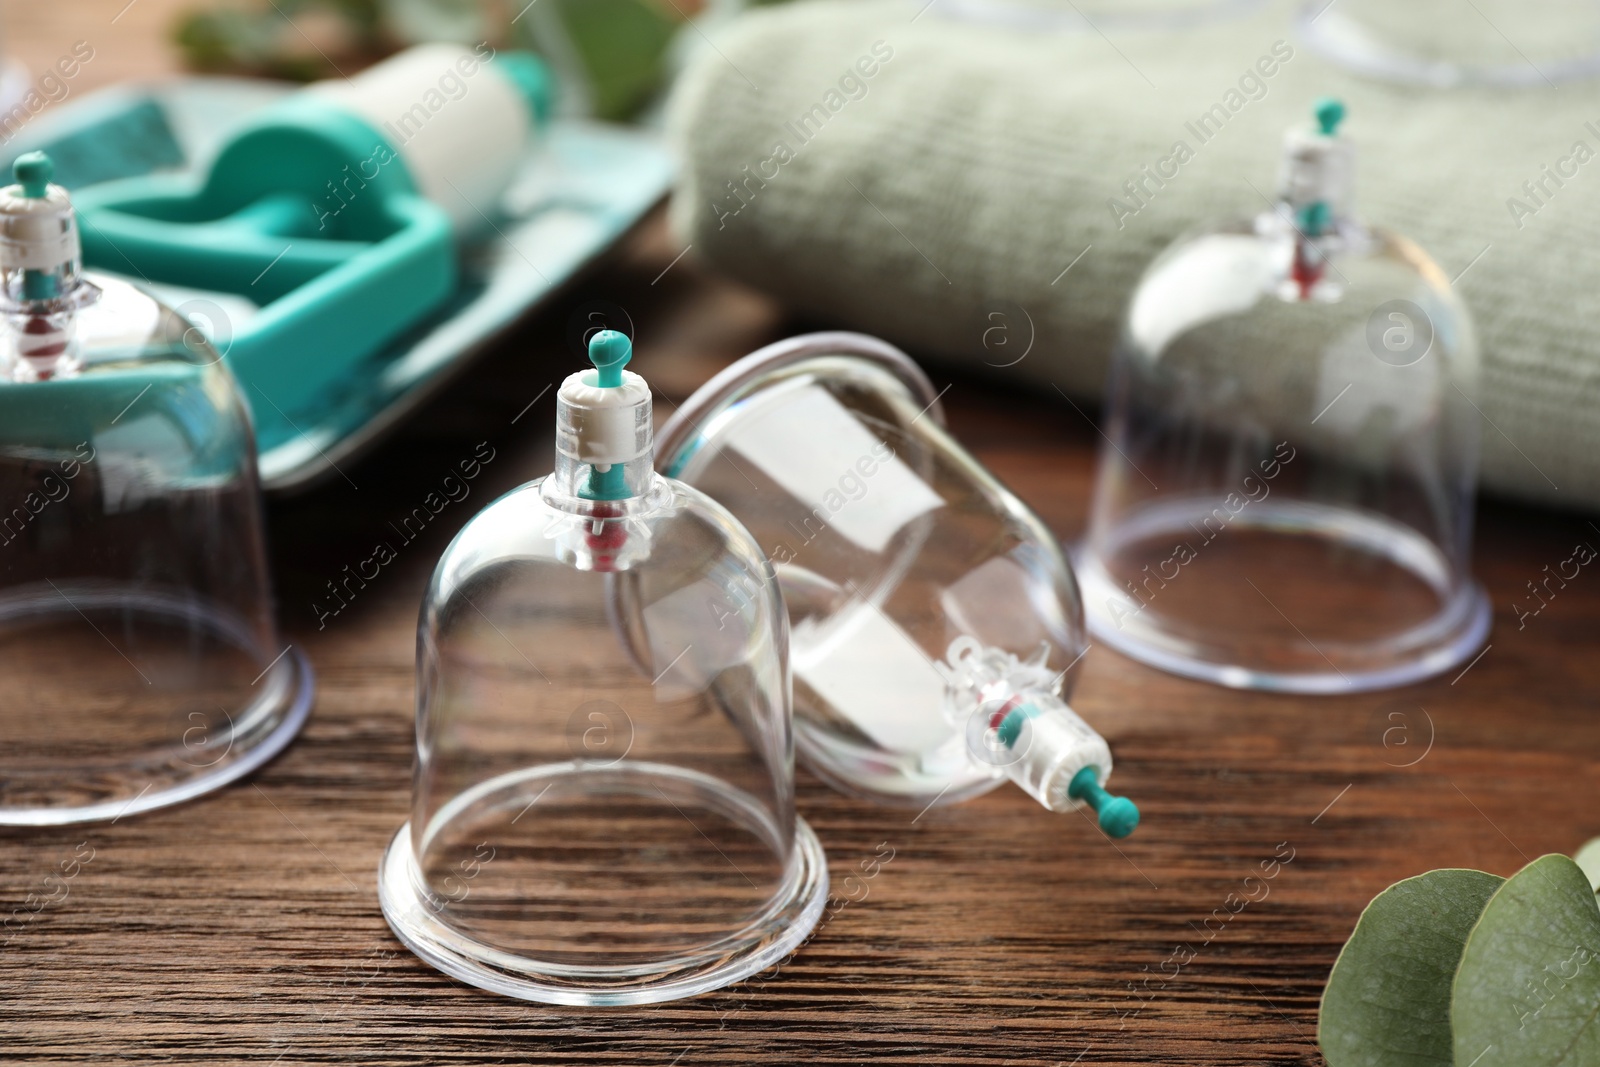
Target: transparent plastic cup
{"type": "Point", "coordinates": [140, 664]}
{"type": "Point", "coordinates": [935, 628]}
{"type": "Point", "coordinates": [1449, 44]}
{"type": "Point", "coordinates": [603, 809]}
{"type": "Point", "coordinates": [1285, 497]}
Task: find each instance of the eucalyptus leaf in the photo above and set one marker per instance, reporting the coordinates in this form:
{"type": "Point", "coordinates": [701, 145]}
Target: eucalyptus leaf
{"type": "Point", "coordinates": [1588, 858]}
{"type": "Point", "coordinates": [1527, 993]}
{"type": "Point", "coordinates": [1387, 1003]}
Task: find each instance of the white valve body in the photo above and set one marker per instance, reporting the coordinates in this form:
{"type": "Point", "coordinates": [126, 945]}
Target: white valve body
{"type": "Point", "coordinates": [1316, 167]}
{"type": "Point", "coordinates": [37, 233]}
{"type": "Point", "coordinates": [1054, 746]}
{"type": "Point", "coordinates": [599, 426]}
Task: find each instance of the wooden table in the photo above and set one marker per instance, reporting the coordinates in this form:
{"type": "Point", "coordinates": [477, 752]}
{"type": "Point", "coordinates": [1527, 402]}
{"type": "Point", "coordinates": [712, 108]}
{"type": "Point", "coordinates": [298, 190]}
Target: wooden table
{"type": "Point", "coordinates": [245, 927]}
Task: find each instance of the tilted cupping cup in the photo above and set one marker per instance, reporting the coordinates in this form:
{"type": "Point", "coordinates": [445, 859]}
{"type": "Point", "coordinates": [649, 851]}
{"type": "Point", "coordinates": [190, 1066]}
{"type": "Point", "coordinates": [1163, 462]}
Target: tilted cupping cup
{"type": "Point", "coordinates": [141, 662]}
{"type": "Point", "coordinates": [934, 626]}
{"type": "Point", "coordinates": [603, 809]}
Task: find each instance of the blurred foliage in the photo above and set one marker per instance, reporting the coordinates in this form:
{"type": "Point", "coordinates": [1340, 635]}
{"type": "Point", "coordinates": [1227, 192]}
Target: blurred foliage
{"type": "Point", "coordinates": [621, 44]}
{"type": "Point", "coordinates": [616, 49]}
{"type": "Point", "coordinates": [300, 40]}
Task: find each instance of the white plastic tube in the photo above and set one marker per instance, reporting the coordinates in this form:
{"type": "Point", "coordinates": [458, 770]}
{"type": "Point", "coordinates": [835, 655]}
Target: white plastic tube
{"type": "Point", "coordinates": [459, 125]}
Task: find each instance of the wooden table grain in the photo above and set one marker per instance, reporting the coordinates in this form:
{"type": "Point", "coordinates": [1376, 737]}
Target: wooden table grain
{"type": "Point", "coordinates": [244, 928]}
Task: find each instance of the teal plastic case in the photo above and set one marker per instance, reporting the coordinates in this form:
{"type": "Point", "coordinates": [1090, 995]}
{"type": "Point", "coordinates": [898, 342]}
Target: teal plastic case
{"type": "Point", "coordinates": [335, 328]}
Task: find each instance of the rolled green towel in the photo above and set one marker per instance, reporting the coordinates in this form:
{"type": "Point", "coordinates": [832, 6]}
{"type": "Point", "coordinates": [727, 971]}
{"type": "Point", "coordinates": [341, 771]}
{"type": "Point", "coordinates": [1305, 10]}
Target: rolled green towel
{"type": "Point", "coordinates": [977, 192]}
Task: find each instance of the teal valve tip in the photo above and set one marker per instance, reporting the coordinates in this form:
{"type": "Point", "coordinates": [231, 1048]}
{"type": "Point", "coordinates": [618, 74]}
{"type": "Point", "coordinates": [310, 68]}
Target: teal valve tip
{"type": "Point", "coordinates": [1118, 815]}
{"type": "Point", "coordinates": [33, 171]}
{"type": "Point", "coordinates": [610, 351]}
{"type": "Point", "coordinates": [1329, 112]}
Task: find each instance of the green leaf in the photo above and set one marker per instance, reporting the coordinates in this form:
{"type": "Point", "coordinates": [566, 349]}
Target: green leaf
{"type": "Point", "coordinates": [1387, 1003]}
{"type": "Point", "coordinates": [621, 46]}
{"type": "Point", "coordinates": [1588, 858]}
{"type": "Point", "coordinates": [1527, 993]}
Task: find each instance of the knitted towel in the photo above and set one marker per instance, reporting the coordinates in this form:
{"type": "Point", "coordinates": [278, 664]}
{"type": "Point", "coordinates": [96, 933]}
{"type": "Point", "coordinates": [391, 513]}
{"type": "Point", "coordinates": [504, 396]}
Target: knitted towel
{"type": "Point", "coordinates": [977, 191]}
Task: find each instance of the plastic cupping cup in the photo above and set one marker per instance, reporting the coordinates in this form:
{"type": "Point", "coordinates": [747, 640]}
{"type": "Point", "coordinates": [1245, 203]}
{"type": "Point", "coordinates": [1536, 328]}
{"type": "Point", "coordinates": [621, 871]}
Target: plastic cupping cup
{"type": "Point", "coordinates": [1285, 497]}
{"type": "Point", "coordinates": [935, 628]}
{"type": "Point", "coordinates": [142, 663]}
{"type": "Point", "coordinates": [589, 826]}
